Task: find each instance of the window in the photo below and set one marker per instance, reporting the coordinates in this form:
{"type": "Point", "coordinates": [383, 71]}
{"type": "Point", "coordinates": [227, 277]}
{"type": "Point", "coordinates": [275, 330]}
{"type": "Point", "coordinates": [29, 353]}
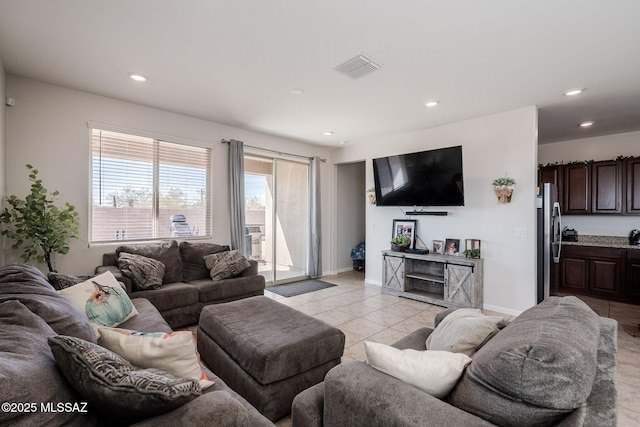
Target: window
{"type": "Point", "coordinates": [145, 188]}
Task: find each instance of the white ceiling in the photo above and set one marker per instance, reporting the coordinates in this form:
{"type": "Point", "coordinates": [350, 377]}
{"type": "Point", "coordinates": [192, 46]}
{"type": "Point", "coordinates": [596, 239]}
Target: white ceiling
{"type": "Point", "coordinates": [236, 62]}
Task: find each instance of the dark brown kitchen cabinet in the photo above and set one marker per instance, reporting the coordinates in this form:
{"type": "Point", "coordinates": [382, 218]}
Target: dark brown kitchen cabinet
{"type": "Point", "coordinates": [591, 271]}
{"type": "Point", "coordinates": [576, 189]}
{"type": "Point", "coordinates": [632, 288]}
{"type": "Point", "coordinates": [633, 186]}
{"type": "Point", "coordinates": [552, 174]}
{"type": "Point", "coordinates": [606, 187]}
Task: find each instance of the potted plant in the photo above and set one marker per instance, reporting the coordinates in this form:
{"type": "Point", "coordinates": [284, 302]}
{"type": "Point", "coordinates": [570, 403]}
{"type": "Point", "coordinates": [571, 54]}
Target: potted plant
{"type": "Point", "coordinates": [38, 224]}
{"type": "Point", "coordinates": [400, 243]}
{"type": "Point", "coordinates": [471, 253]}
{"type": "Point", "coordinates": [504, 188]}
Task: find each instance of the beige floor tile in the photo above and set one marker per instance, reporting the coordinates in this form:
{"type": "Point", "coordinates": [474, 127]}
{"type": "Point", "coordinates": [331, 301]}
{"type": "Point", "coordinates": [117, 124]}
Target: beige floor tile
{"type": "Point", "coordinates": [363, 327]}
{"type": "Point", "coordinates": [358, 309]}
{"type": "Point", "coordinates": [350, 338]}
{"type": "Point", "coordinates": [628, 418]}
{"type": "Point", "coordinates": [409, 325]}
{"type": "Point", "coordinates": [384, 318]}
{"type": "Point", "coordinates": [628, 395]}
{"type": "Point", "coordinates": [388, 336]}
{"type": "Point", "coordinates": [356, 351]}
{"type": "Point", "coordinates": [405, 311]}
{"type": "Point", "coordinates": [335, 317]}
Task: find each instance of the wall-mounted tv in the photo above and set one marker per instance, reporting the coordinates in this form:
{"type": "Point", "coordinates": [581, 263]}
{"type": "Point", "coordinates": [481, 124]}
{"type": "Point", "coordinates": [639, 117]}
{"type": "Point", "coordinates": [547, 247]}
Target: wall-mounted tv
{"type": "Point", "coordinates": [425, 178]}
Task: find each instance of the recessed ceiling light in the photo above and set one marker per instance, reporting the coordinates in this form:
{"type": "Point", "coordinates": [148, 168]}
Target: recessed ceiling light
{"type": "Point", "coordinates": [586, 124]}
{"type": "Point", "coordinates": [573, 92]}
{"type": "Point", "coordinates": [328, 132]}
{"type": "Point", "coordinates": [344, 142]}
{"type": "Point", "coordinates": [138, 77]}
{"type": "Point", "coordinates": [297, 91]}
{"type": "Point", "coordinates": [431, 103]}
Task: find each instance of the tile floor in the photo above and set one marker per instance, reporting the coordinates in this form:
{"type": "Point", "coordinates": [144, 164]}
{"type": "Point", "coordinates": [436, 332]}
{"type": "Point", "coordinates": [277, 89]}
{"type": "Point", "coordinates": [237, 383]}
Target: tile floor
{"type": "Point", "coordinates": [362, 312]}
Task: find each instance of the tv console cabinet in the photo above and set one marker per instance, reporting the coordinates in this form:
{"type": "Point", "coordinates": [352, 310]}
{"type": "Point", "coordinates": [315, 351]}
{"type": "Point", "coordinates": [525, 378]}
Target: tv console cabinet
{"type": "Point", "coordinates": [444, 280]}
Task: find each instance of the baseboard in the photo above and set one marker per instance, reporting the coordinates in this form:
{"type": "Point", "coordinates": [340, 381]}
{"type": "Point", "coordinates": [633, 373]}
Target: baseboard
{"type": "Point", "coordinates": [503, 310]}
{"type": "Point", "coordinates": [345, 270]}
{"type": "Point", "coordinates": [372, 282]}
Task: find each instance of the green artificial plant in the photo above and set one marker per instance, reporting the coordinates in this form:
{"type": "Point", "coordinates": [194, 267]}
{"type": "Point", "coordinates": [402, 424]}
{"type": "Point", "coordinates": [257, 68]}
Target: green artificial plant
{"type": "Point", "coordinates": [401, 240]}
{"type": "Point", "coordinates": [38, 224]}
{"type": "Point", "coordinates": [504, 182]}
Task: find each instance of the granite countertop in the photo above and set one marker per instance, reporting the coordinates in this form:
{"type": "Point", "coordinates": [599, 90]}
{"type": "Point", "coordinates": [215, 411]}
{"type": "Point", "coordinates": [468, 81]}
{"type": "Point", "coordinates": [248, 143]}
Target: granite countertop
{"type": "Point", "coordinates": [603, 241]}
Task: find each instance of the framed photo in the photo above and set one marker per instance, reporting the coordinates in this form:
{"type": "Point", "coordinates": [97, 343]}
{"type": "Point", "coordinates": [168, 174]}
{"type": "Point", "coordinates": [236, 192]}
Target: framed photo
{"type": "Point", "coordinates": [405, 227]}
{"type": "Point", "coordinates": [452, 247]}
{"type": "Point", "coordinates": [438, 247]}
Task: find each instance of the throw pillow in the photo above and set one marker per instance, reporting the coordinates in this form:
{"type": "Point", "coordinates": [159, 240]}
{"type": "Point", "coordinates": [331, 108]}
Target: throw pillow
{"type": "Point", "coordinates": [193, 254]}
{"type": "Point", "coordinates": [102, 299]}
{"type": "Point", "coordinates": [226, 264]}
{"type": "Point", "coordinates": [167, 253]}
{"type": "Point", "coordinates": [174, 353]}
{"type": "Point", "coordinates": [464, 331]}
{"type": "Point", "coordinates": [63, 281]}
{"type": "Point", "coordinates": [113, 386]}
{"type": "Point", "coordinates": [434, 372]}
{"type": "Point", "coordinates": [144, 272]}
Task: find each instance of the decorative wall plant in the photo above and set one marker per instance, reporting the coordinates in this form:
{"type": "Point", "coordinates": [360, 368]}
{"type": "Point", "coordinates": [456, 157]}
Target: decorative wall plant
{"type": "Point", "coordinates": [503, 188]}
{"type": "Point", "coordinates": [37, 224]}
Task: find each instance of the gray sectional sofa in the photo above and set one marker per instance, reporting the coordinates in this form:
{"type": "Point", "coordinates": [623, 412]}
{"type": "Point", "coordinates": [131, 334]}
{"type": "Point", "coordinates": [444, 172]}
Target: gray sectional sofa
{"type": "Point", "coordinates": [31, 311]}
{"type": "Point", "coordinates": [555, 364]}
{"type": "Point", "coordinates": [186, 285]}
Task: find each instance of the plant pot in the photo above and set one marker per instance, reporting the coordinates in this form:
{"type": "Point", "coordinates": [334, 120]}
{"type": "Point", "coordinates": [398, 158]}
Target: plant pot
{"type": "Point", "coordinates": [504, 193]}
{"type": "Point", "coordinates": [399, 248]}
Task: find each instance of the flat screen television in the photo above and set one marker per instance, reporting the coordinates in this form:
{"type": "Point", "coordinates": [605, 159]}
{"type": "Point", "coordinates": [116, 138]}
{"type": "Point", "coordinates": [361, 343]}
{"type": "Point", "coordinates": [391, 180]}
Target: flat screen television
{"type": "Point", "coordinates": [425, 178]}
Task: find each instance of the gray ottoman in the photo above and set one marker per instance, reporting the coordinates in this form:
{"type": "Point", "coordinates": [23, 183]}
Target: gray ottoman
{"type": "Point", "coordinates": [266, 351]}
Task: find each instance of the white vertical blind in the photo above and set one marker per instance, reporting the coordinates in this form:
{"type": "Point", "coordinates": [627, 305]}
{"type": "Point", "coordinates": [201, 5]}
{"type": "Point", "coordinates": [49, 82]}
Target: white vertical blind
{"type": "Point", "coordinates": [139, 183]}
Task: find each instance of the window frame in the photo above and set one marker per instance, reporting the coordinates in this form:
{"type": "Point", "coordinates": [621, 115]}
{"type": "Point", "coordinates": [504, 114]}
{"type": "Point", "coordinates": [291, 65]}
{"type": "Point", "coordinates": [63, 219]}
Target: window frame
{"type": "Point", "coordinates": [155, 202]}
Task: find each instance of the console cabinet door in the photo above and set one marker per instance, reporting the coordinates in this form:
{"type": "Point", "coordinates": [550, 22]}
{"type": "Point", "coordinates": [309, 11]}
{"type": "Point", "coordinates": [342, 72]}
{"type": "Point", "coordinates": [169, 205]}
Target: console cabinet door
{"type": "Point", "coordinates": [606, 189]}
{"type": "Point", "coordinates": [577, 189]}
{"type": "Point", "coordinates": [633, 186]}
{"type": "Point", "coordinates": [393, 273]}
{"type": "Point", "coordinates": [459, 286]}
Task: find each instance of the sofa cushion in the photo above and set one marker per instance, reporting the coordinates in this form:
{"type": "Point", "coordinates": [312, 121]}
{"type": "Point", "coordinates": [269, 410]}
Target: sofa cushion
{"type": "Point", "coordinates": [227, 264]}
{"type": "Point", "coordinates": [26, 364]}
{"type": "Point", "coordinates": [434, 372]}
{"type": "Point", "coordinates": [172, 295]}
{"type": "Point", "coordinates": [464, 331]}
{"type": "Point", "coordinates": [27, 284]}
{"type": "Point", "coordinates": [173, 352]}
{"type": "Point", "coordinates": [546, 358]}
{"type": "Point", "coordinates": [63, 281]}
{"type": "Point", "coordinates": [102, 299]}
{"type": "Point", "coordinates": [114, 386]}
{"type": "Point", "coordinates": [228, 289]}
{"type": "Point", "coordinates": [193, 254]}
{"type": "Point", "coordinates": [144, 272]}
{"type": "Point", "coordinates": [168, 253]}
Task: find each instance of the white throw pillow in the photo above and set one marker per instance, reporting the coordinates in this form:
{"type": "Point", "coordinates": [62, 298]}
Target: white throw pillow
{"type": "Point", "coordinates": [102, 299]}
{"type": "Point", "coordinates": [174, 353]}
{"type": "Point", "coordinates": [434, 372]}
{"type": "Point", "coordinates": [464, 331]}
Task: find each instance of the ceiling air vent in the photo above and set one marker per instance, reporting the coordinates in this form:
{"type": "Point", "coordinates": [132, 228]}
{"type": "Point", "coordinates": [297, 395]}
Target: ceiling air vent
{"type": "Point", "coordinates": [358, 66]}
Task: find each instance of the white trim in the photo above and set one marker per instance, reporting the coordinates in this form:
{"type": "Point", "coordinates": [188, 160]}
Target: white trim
{"type": "Point", "coordinates": [502, 310]}
{"type": "Point", "coordinates": [271, 154]}
{"type": "Point", "coordinates": [154, 135]}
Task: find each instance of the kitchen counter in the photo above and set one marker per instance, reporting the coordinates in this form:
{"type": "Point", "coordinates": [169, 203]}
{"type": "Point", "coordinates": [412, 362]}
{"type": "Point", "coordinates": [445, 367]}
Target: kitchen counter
{"type": "Point", "coordinates": [603, 241]}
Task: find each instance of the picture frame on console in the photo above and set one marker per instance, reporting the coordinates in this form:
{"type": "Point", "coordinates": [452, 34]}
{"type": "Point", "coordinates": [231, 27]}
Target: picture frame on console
{"type": "Point", "coordinates": [437, 247]}
{"type": "Point", "coordinates": [452, 247]}
{"type": "Point", "coordinates": [405, 227]}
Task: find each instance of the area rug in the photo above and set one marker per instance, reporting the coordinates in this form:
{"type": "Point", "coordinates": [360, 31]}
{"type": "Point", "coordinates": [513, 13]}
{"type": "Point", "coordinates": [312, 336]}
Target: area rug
{"type": "Point", "coordinates": [299, 288]}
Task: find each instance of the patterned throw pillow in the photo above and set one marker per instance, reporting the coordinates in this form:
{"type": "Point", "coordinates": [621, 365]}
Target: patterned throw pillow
{"type": "Point", "coordinates": [102, 299]}
{"type": "Point", "coordinates": [145, 273]}
{"type": "Point", "coordinates": [63, 281]}
{"type": "Point", "coordinates": [174, 353]}
{"type": "Point", "coordinates": [226, 264]}
{"type": "Point", "coordinates": [113, 386]}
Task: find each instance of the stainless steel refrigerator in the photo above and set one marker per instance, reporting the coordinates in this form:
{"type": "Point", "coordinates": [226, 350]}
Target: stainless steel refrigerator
{"type": "Point", "coordinates": [549, 237]}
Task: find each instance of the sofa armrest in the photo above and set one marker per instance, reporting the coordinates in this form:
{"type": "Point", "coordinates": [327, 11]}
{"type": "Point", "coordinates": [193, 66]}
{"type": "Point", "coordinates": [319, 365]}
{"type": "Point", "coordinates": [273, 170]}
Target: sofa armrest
{"type": "Point", "coordinates": [118, 275]}
{"type": "Point", "coordinates": [357, 395]}
{"type": "Point", "coordinates": [218, 408]}
{"type": "Point", "coordinates": [252, 270]}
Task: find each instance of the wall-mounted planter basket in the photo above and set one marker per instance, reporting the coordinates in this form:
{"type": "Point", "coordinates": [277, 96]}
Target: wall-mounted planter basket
{"type": "Point", "coordinates": [504, 193]}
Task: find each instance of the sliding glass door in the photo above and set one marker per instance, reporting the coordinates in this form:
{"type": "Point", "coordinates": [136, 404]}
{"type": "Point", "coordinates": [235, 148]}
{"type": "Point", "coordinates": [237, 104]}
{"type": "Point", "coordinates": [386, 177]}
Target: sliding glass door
{"type": "Point", "coordinates": [277, 216]}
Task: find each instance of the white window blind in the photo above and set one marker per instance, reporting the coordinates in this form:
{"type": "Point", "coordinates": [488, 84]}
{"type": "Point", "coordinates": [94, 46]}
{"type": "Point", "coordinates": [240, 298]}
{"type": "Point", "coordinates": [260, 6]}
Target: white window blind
{"type": "Point", "coordinates": [141, 184]}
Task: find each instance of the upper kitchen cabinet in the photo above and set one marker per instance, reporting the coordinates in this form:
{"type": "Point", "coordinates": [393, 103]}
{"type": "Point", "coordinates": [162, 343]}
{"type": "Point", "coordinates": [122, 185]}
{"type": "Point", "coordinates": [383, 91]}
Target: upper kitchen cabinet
{"type": "Point", "coordinates": [576, 189]}
{"type": "Point", "coordinates": [633, 186]}
{"type": "Point", "coordinates": [606, 187]}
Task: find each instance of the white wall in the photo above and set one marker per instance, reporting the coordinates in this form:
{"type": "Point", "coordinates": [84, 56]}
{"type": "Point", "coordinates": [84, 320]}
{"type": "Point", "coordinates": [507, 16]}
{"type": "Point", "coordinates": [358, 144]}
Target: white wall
{"type": "Point", "coordinates": [48, 128]}
{"type": "Point", "coordinates": [491, 146]}
{"type": "Point", "coordinates": [599, 148]}
{"type": "Point", "coordinates": [351, 202]}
